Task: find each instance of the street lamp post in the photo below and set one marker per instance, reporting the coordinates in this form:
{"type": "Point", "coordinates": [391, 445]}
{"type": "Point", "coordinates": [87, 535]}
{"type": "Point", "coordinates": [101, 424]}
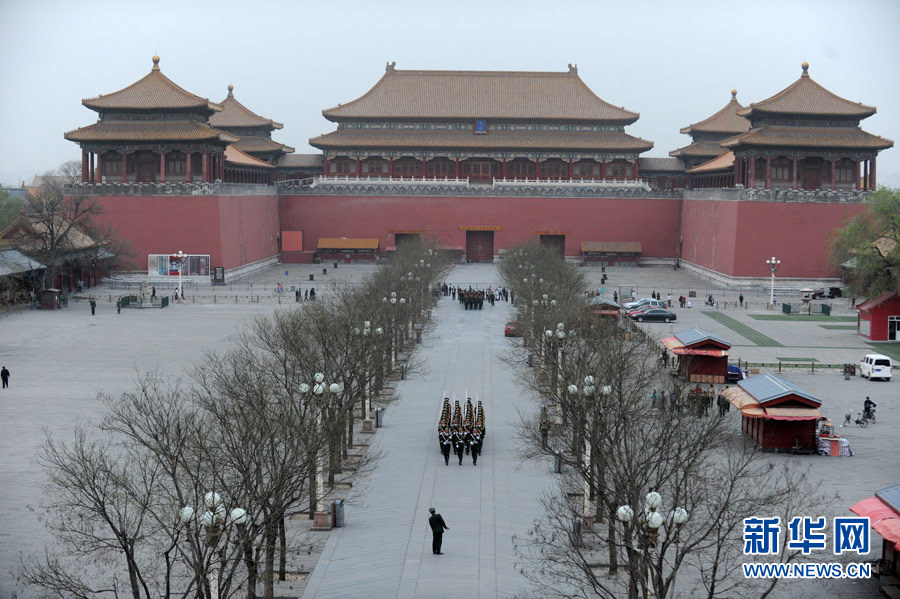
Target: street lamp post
{"type": "Point", "coordinates": [213, 521]}
{"type": "Point", "coordinates": [653, 520]}
{"type": "Point", "coordinates": [773, 264]}
{"type": "Point", "coordinates": [179, 258]}
{"type": "Point", "coordinates": [320, 517]}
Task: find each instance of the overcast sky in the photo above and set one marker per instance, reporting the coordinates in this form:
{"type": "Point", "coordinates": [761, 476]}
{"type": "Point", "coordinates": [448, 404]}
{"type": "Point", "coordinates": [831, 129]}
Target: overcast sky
{"type": "Point", "coordinates": [673, 62]}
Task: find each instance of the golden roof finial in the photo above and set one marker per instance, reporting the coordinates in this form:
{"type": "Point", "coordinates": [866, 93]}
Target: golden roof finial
{"type": "Point", "coordinates": [155, 63]}
{"type": "Point", "coordinates": [230, 90]}
{"type": "Point", "coordinates": [805, 67]}
{"type": "Point", "coordinates": [734, 94]}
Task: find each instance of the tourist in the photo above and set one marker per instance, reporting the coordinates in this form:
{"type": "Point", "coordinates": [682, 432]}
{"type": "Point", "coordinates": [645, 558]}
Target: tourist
{"type": "Point", "coordinates": [4, 376]}
{"type": "Point", "coordinates": [669, 299]}
{"type": "Point", "coordinates": [741, 300]}
{"type": "Point", "coordinates": [93, 303]}
{"type": "Point", "coordinates": [119, 305]}
{"type": "Point", "coordinates": [436, 522]}
{"type": "Point", "coordinates": [153, 293]}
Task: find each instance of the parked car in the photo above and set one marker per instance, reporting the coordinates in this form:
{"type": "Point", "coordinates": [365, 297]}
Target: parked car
{"type": "Point", "coordinates": [875, 366]}
{"type": "Point", "coordinates": [513, 329]}
{"type": "Point", "coordinates": [647, 301]}
{"type": "Point", "coordinates": [735, 374]}
{"type": "Point", "coordinates": [831, 293]}
{"type": "Point", "coordinates": [654, 314]}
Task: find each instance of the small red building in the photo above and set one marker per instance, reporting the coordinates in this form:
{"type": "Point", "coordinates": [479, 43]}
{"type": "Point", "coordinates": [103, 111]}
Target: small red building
{"type": "Point", "coordinates": [776, 413]}
{"type": "Point", "coordinates": [879, 317]}
{"type": "Point", "coordinates": [883, 512]}
{"type": "Point", "coordinates": [702, 356]}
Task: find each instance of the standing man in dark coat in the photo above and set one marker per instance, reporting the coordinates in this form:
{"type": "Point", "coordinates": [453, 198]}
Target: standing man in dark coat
{"type": "Point", "coordinates": [4, 376]}
{"type": "Point", "coordinates": [436, 522]}
{"type": "Point", "coordinates": [93, 303]}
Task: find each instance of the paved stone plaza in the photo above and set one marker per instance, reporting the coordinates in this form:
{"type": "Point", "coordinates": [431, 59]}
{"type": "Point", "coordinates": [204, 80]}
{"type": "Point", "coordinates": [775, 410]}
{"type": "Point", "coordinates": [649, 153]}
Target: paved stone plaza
{"type": "Point", "coordinates": [60, 360]}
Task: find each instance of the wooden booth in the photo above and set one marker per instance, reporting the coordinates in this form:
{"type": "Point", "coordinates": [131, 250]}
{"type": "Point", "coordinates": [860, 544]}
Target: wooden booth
{"type": "Point", "coordinates": [603, 307]}
{"type": "Point", "coordinates": [702, 357]}
{"type": "Point", "coordinates": [348, 250]}
{"type": "Point", "coordinates": [883, 511]}
{"type": "Point", "coordinates": [775, 413]}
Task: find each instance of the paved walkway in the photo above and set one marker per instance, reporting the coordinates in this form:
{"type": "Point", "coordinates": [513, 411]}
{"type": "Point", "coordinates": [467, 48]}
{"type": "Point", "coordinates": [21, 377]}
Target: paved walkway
{"type": "Point", "coordinates": [385, 549]}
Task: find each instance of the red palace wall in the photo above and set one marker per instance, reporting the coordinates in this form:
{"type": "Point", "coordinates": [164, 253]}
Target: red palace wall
{"type": "Point", "coordinates": [233, 230]}
{"type": "Point", "coordinates": [653, 222]}
{"type": "Point", "coordinates": [735, 238]}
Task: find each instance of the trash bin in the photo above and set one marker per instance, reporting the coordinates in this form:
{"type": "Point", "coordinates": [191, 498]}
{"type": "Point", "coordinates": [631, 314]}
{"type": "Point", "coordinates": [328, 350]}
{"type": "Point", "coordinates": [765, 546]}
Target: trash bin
{"type": "Point", "coordinates": [826, 310]}
{"type": "Point", "coordinates": [786, 308]}
{"type": "Point", "coordinates": [335, 264]}
{"type": "Point", "coordinates": [337, 513]}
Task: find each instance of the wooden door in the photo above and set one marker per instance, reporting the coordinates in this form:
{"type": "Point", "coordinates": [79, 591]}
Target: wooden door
{"type": "Point", "coordinates": [146, 168]}
{"type": "Point", "coordinates": [811, 177]}
{"type": "Point", "coordinates": [480, 246]}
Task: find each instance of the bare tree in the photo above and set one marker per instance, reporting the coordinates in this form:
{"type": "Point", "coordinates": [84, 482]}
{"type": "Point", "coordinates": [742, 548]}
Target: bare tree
{"type": "Point", "coordinates": [616, 442]}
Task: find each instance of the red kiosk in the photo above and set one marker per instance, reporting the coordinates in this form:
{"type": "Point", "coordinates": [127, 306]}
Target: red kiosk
{"type": "Point", "coordinates": [702, 355]}
{"type": "Point", "coordinates": [775, 413]}
{"type": "Point", "coordinates": [883, 511]}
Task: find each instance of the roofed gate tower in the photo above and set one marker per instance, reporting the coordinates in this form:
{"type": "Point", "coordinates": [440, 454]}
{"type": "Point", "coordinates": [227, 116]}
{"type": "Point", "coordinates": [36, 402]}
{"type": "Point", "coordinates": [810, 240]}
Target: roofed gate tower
{"type": "Point", "coordinates": [805, 137]}
{"type": "Point", "coordinates": [708, 134]}
{"type": "Point", "coordinates": [152, 130]}
{"type": "Point", "coordinates": [254, 131]}
{"type": "Point", "coordinates": [481, 126]}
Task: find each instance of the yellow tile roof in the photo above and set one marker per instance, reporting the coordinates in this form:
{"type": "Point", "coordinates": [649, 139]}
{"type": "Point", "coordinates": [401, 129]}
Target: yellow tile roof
{"type": "Point", "coordinates": [722, 162]}
{"type": "Point", "coordinates": [237, 157]}
{"type": "Point", "coordinates": [148, 131]}
{"type": "Point", "coordinates": [481, 95]}
{"type": "Point", "coordinates": [235, 114]}
{"type": "Point", "coordinates": [345, 243]}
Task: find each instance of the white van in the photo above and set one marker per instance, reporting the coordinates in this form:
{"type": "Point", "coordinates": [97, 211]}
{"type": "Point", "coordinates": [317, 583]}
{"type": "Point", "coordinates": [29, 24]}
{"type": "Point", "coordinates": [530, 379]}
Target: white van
{"type": "Point", "coordinates": [875, 366]}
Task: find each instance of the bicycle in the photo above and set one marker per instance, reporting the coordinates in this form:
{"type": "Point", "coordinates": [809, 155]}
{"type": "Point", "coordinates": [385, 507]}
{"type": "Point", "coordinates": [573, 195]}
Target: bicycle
{"type": "Point", "coordinates": [870, 415]}
{"type": "Point", "coordinates": [861, 421]}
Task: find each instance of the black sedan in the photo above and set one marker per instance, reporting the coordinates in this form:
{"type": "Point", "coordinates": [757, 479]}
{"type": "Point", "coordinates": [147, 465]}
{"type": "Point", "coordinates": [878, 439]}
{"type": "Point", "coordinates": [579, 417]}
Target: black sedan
{"type": "Point", "coordinates": [656, 315]}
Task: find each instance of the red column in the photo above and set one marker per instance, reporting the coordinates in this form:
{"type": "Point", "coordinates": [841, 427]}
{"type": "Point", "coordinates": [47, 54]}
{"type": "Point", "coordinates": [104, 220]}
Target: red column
{"type": "Point", "coordinates": [84, 165]}
{"type": "Point", "coordinates": [457, 167]}
{"type": "Point", "coordinates": [832, 174]}
{"type": "Point", "coordinates": [325, 166]}
{"type": "Point", "coordinates": [188, 172]}
{"type": "Point", "coordinates": [603, 168]}
{"type": "Point", "coordinates": [634, 170]}
{"type": "Point", "coordinates": [424, 167]}
{"type": "Point", "coordinates": [91, 167]}
{"type": "Point", "coordinates": [794, 184]}
{"type": "Point", "coordinates": [124, 165]}
{"type": "Point", "coordinates": [752, 160]}
{"type": "Point", "coordinates": [866, 179]}
{"type": "Point", "coordinates": [737, 170]}
{"type": "Point", "coordinates": [856, 176]}
{"type": "Point", "coordinates": [872, 174]}
{"type": "Point", "coordinates": [358, 167]}
{"type": "Point", "coordinates": [504, 171]}
{"type": "Point", "coordinates": [222, 166]}
{"type": "Point", "coordinates": [391, 167]}
{"type": "Point", "coordinates": [204, 166]}
{"type": "Point", "coordinates": [768, 172]}
{"type": "Point", "coordinates": [162, 166]}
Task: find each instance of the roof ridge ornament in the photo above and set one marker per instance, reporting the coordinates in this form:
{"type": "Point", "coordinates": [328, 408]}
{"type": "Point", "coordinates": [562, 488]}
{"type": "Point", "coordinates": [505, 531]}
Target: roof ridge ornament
{"type": "Point", "coordinates": [805, 67]}
{"type": "Point", "coordinates": [155, 62]}
{"type": "Point", "coordinates": [734, 95]}
{"type": "Point", "coordinates": [230, 90]}
{"type": "Point", "coordinates": [389, 67]}
{"type": "Point", "coordinates": [573, 69]}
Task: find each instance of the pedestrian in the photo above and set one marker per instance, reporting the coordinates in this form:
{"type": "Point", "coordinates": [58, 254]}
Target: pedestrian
{"type": "Point", "coordinates": [669, 299]}
{"type": "Point", "coordinates": [297, 296]}
{"type": "Point", "coordinates": [93, 303]}
{"type": "Point", "coordinates": [306, 295]}
{"type": "Point", "coordinates": [545, 430]}
{"type": "Point", "coordinates": [4, 376]}
{"type": "Point", "coordinates": [153, 293]}
{"type": "Point", "coordinates": [119, 305]}
{"type": "Point", "coordinates": [741, 300]}
{"type": "Point", "coordinates": [312, 294]}
{"type": "Point", "coordinates": [438, 526]}
{"type": "Point", "coordinates": [633, 295]}
{"type": "Point", "coordinates": [616, 297]}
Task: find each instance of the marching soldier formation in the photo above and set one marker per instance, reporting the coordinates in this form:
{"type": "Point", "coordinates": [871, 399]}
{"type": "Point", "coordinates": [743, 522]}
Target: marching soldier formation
{"type": "Point", "coordinates": [461, 432]}
{"type": "Point", "coordinates": [472, 299]}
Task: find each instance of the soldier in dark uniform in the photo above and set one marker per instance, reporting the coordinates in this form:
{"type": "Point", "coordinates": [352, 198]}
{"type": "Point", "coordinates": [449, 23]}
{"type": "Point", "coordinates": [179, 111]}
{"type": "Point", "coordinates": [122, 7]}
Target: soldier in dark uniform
{"type": "Point", "coordinates": [446, 441]}
{"type": "Point", "coordinates": [475, 441]}
{"type": "Point", "coordinates": [459, 443]}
